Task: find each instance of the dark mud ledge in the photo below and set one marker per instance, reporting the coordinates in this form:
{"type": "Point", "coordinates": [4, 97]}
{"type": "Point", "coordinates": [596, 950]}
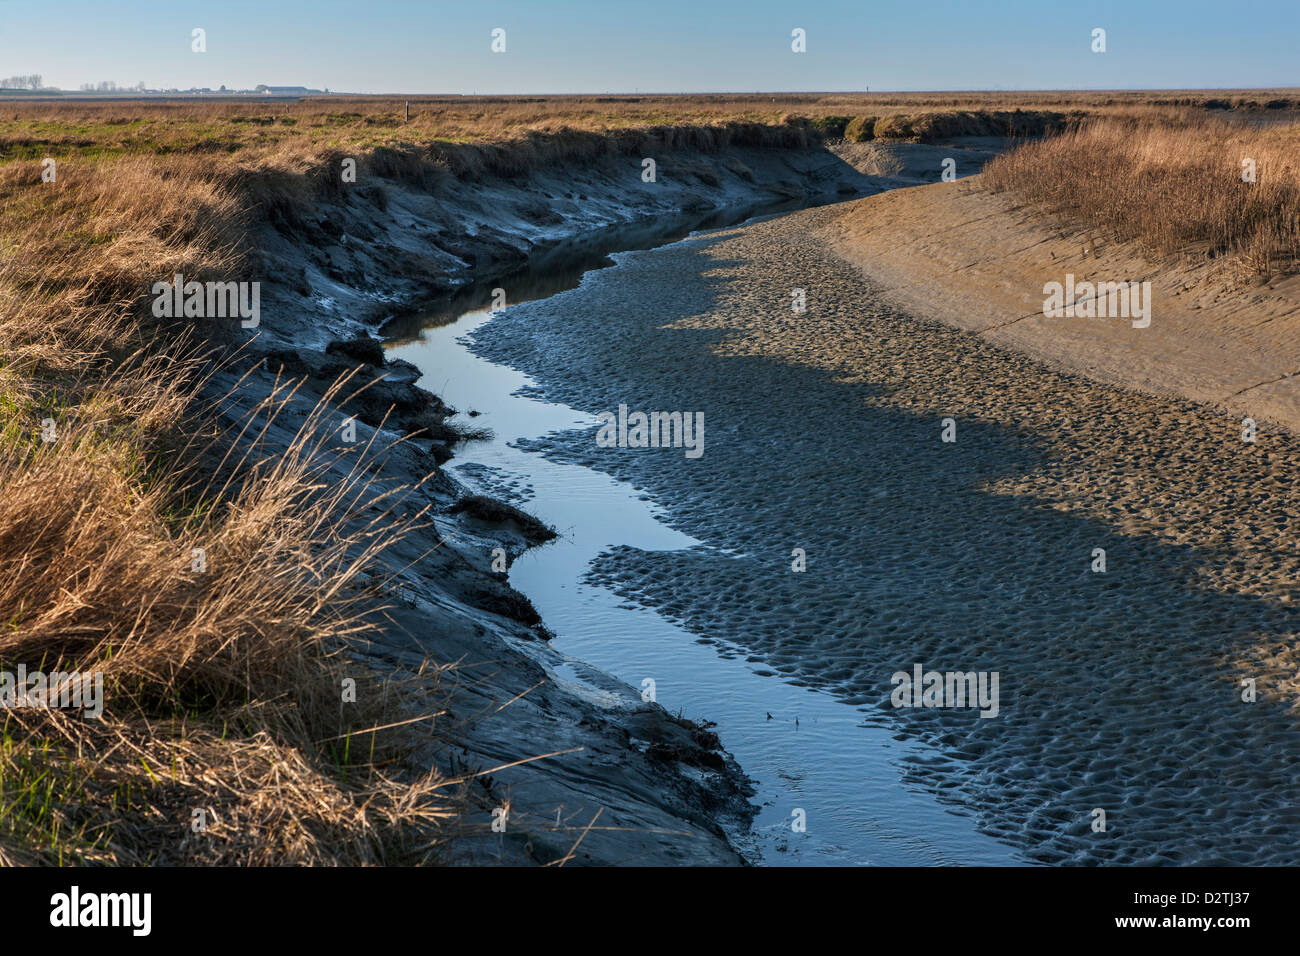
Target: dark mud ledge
{"type": "Point", "coordinates": [666, 790]}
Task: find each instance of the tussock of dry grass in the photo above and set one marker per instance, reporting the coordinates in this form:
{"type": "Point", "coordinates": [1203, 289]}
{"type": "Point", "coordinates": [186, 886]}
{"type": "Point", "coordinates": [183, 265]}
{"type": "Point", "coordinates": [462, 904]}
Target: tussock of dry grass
{"type": "Point", "coordinates": [223, 688]}
{"type": "Point", "coordinates": [1174, 187]}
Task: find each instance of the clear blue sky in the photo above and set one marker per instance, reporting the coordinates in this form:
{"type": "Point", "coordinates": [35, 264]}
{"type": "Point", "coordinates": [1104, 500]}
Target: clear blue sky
{"type": "Point", "coordinates": [568, 46]}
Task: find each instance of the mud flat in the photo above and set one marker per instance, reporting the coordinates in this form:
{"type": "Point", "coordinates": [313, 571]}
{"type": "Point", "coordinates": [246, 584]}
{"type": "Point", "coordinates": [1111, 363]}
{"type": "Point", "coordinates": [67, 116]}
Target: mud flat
{"type": "Point", "coordinates": [1119, 690]}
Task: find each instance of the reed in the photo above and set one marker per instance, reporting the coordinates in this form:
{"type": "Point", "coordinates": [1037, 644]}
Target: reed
{"type": "Point", "coordinates": [1172, 185]}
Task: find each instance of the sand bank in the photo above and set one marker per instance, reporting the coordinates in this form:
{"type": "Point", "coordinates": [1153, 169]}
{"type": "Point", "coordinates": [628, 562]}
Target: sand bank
{"type": "Point", "coordinates": [957, 254]}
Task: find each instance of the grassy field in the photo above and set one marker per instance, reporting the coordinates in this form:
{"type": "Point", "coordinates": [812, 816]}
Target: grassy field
{"type": "Point", "coordinates": [33, 129]}
{"type": "Point", "coordinates": [222, 688]}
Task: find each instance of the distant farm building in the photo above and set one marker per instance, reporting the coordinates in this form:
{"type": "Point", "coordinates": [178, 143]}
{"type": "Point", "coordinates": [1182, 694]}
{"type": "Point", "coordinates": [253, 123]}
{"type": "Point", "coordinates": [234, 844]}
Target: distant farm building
{"type": "Point", "coordinates": [283, 90]}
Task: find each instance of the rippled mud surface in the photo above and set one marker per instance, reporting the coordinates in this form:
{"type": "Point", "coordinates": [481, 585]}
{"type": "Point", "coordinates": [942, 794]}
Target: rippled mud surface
{"type": "Point", "coordinates": [810, 755]}
{"type": "Point", "coordinates": [1119, 691]}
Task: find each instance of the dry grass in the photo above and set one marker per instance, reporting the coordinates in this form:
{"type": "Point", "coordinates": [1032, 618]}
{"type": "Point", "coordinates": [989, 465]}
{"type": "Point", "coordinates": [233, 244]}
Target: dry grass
{"type": "Point", "coordinates": [1173, 185]}
{"type": "Point", "coordinates": [223, 688]}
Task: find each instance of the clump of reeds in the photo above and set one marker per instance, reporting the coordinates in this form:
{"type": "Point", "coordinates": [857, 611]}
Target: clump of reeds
{"type": "Point", "coordinates": [1186, 185]}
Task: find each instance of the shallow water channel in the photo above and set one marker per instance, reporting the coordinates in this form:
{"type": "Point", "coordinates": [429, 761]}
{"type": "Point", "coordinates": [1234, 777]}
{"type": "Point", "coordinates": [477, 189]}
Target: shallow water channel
{"type": "Point", "coordinates": [804, 749]}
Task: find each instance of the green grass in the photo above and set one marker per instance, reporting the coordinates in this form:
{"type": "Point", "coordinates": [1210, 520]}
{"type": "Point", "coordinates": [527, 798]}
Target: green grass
{"type": "Point", "coordinates": [43, 791]}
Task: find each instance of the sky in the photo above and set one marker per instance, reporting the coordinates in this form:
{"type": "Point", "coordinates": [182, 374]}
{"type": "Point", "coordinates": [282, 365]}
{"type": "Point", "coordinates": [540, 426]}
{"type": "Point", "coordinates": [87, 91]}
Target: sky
{"type": "Point", "coordinates": [601, 46]}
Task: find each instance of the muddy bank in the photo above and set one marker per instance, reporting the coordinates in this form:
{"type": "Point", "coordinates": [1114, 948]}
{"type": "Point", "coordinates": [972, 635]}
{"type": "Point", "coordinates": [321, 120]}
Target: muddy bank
{"type": "Point", "coordinates": [665, 789]}
{"type": "Point", "coordinates": [368, 251]}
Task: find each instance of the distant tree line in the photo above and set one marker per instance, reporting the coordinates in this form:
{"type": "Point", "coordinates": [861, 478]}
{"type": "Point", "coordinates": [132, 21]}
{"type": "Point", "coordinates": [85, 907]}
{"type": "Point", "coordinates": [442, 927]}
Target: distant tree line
{"type": "Point", "coordinates": [108, 86]}
{"type": "Point", "coordinates": [33, 82]}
